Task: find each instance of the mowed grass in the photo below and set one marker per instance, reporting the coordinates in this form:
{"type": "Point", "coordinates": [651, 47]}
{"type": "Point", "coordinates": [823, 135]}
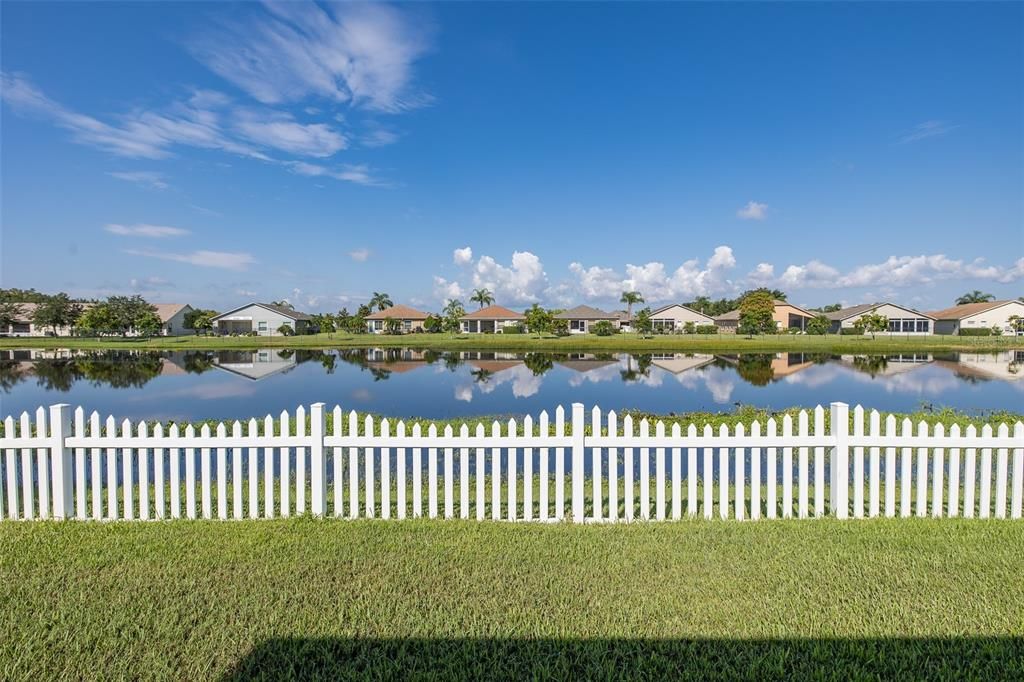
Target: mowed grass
{"type": "Point", "coordinates": [635, 343]}
{"type": "Point", "coordinates": [304, 598]}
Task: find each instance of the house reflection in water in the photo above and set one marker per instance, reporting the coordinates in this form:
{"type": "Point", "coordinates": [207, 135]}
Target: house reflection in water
{"type": "Point", "coordinates": [586, 362]}
{"type": "Point", "coordinates": [255, 364]}
{"type": "Point", "coordinates": [760, 369]}
{"type": "Point", "coordinates": [887, 365]}
{"type": "Point", "coordinates": [1006, 366]}
{"type": "Point", "coordinates": [677, 363]}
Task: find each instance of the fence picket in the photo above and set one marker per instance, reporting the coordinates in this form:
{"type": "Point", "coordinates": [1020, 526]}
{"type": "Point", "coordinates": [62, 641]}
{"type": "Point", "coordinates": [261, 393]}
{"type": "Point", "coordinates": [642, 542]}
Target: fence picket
{"type": "Point", "coordinates": [512, 488]}
{"type": "Point", "coordinates": [353, 467]}
{"type": "Point", "coordinates": [691, 472]}
{"type": "Point", "coordinates": [677, 474]}
{"type": "Point", "coordinates": [595, 466]}
{"type": "Point", "coordinates": [953, 493]}
{"type": "Point", "coordinates": [400, 469]}
{"type": "Point", "coordinates": [922, 472]}
{"type": "Point", "coordinates": [127, 480]}
{"type": "Point", "coordinates": [43, 462]}
{"type": "Point", "coordinates": [528, 469]}
{"type": "Point", "coordinates": [723, 475]}
{"type": "Point", "coordinates": [496, 473]}
{"type": "Point", "coordinates": [740, 497]}
{"type": "Point", "coordinates": [449, 483]}
{"type": "Point", "coordinates": [803, 468]}
{"type": "Point", "coordinates": [1017, 498]}
{"type": "Point", "coordinates": [417, 473]}
{"type": "Point", "coordinates": [985, 501]}
{"type": "Point", "coordinates": [222, 475]}
{"type": "Point", "coordinates": [875, 431]}
{"type": "Point", "coordinates": [385, 471]}
{"type": "Point", "coordinates": [96, 463]}
{"type": "Point", "coordinates": [819, 465]}
{"type": "Point", "coordinates": [937, 474]}
{"type": "Point", "coordinates": [772, 478]}
{"type": "Point", "coordinates": [906, 472]}
{"type": "Point", "coordinates": [755, 474]}
{"type": "Point", "coordinates": [970, 474]}
{"type": "Point", "coordinates": [175, 455]}
{"type": "Point", "coordinates": [1001, 474]}
{"type": "Point", "coordinates": [787, 468]}
{"type": "Point", "coordinates": [645, 471]}
{"type": "Point", "coordinates": [80, 467]}
{"type": "Point", "coordinates": [628, 470]}
{"type": "Point", "coordinates": [190, 475]}
{"type": "Point", "coordinates": [544, 474]}
{"type": "Point", "coordinates": [337, 473]}
{"type": "Point", "coordinates": [432, 474]}
{"type": "Point", "coordinates": [160, 482]}
{"type": "Point", "coordinates": [143, 459]}
{"type": "Point", "coordinates": [560, 465]}
{"type": "Point", "coordinates": [12, 470]}
{"type": "Point", "coordinates": [858, 464]}
{"type": "Point", "coordinates": [285, 494]}
{"type": "Point", "coordinates": [480, 470]}
{"type": "Point", "coordinates": [206, 476]}
{"type": "Point", "coordinates": [613, 469]}
{"type": "Point", "coordinates": [659, 474]}
{"type": "Point", "coordinates": [268, 469]}
{"type": "Point", "coordinates": [369, 493]}
{"type": "Point", "coordinates": [890, 469]}
{"type": "Point", "coordinates": [464, 474]}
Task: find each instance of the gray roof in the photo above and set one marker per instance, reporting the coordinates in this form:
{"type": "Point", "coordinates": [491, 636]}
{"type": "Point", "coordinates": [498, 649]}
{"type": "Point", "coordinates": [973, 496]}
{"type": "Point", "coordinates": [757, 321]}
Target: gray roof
{"type": "Point", "coordinates": [855, 310]}
{"type": "Point", "coordinates": [280, 310]}
{"type": "Point", "coordinates": [585, 312]}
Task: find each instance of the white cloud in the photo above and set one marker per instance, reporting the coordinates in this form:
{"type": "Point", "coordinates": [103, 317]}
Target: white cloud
{"type": "Point", "coordinates": [378, 137]}
{"type": "Point", "coordinates": [463, 256]}
{"type": "Point", "coordinates": [280, 131]}
{"type": "Point", "coordinates": [445, 290]}
{"type": "Point", "coordinates": [144, 230]}
{"type": "Point", "coordinates": [359, 255]}
{"type": "Point", "coordinates": [522, 282]}
{"type": "Point", "coordinates": [358, 174]}
{"type": "Point", "coordinates": [149, 179]}
{"type": "Point", "coordinates": [207, 259]}
{"type": "Point", "coordinates": [654, 281]}
{"type": "Point", "coordinates": [753, 211]}
{"type": "Point", "coordinates": [894, 272]}
{"type": "Point", "coordinates": [927, 129]}
{"type": "Point", "coordinates": [361, 54]}
{"type": "Point", "coordinates": [149, 283]}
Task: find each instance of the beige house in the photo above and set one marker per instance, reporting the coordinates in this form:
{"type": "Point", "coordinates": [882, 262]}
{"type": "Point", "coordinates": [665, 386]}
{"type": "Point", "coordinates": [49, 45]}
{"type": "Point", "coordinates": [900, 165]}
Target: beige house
{"type": "Point", "coordinates": [674, 318]}
{"type": "Point", "coordinates": [172, 315]}
{"type": "Point", "coordinates": [172, 318]}
{"type": "Point", "coordinates": [786, 316]}
{"type": "Point", "coordinates": [491, 320]}
{"type": "Point", "coordinates": [583, 317]}
{"type": "Point", "coordinates": [978, 316]}
{"type": "Point", "coordinates": [409, 319]}
{"type": "Point", "coordinates": [261, 319]}
{"type": "Point", "coordinates": [24, 326]}
{"type": "Point", "coordinates": [903, 321]}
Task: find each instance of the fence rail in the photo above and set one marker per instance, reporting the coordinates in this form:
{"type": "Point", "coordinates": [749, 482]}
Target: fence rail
{"type": "Point", "coordinates": [602, 469]}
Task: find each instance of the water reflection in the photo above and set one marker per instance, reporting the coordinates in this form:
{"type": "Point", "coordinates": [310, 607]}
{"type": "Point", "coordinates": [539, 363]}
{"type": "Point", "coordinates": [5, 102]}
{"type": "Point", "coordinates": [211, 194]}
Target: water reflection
{"type": "Point", "coordinates": [397, 379]}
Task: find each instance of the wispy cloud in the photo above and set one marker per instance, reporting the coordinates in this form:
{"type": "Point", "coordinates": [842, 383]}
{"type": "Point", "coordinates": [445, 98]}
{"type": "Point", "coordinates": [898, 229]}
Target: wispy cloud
{"type": "Point", "coordinates": [356, 53]}
{"type": "Point", "coordinates": [206, 259]}
{"type": "Point", "coordinates": [753, 211]}
{"type": "Point", "coordinates": [359, 174]}
{"type": "Point", "coordinates": [280, 131]}
{"type": "Point", "coordinates": [927, 129]}
{"type": "Point", "coordinates": [359, 255]}
{"type": "Point", "coordinates": [205, 211]}
{"type": "Point", "coordinates": [145, 230]}
{"type": "Point", "coordinates": [150, 179]}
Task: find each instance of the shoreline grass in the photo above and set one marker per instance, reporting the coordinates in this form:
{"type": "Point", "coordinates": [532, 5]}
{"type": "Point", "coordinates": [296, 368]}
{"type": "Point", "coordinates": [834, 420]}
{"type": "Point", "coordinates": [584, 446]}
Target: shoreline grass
{"type": "Point", "coordinates": [529, 342]}
{"type": "Point", "coordinates": [328, 599]}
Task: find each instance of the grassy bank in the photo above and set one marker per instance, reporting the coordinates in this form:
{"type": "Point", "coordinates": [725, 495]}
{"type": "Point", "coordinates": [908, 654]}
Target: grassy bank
{"type": "Point", "coordinates": [721, 343]}
{"type": "Point", "coordinates": [304, 598]}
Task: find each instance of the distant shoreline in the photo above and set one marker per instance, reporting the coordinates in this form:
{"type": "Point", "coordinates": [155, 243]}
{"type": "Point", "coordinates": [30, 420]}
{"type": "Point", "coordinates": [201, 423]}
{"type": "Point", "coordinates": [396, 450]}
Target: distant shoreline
{"type": "Point", "coordinates": [528, 342]}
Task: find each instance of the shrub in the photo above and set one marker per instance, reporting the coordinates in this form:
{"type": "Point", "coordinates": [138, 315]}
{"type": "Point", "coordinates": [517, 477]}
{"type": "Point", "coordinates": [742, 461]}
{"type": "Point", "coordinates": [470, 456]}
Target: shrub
{"type": "Point", "coordinates": [997, 330]}
{"type": "Point", "coordinates": [976, 332]}
{"type": "Point", "coordinates": [514, 329]}
{"type": "Point", "coordinates": [707, 329]}
{"type": "Point", "coordinates": [690, 327]}
{"type": "Point", "coordinates": [851, 331]}
{"type": "Point", "coordinates": [603, 328]}
{"type": "Point", "coordinates": [285, 330]}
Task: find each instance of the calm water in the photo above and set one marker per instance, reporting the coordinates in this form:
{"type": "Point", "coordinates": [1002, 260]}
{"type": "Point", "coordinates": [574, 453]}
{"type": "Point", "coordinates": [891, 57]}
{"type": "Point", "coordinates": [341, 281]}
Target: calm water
{"type": "Point", "coordinates": [402, 382]}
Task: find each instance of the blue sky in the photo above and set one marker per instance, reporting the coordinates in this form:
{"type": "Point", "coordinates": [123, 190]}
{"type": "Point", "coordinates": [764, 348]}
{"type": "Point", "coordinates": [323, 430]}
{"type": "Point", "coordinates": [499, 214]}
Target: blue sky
{"type": "Point", "coordinates": [560, 153]}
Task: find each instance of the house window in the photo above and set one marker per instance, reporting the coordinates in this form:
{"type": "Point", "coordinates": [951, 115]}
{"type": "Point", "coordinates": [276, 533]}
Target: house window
{"type": "Point", "coordinates": [378, 325]}
{"type": "Point", "coordinates": [894, 325]}
{"type": "Point", "coordinates": [262, 326]}
{"type": "Point", "coordinates": [578, 325]}
{"type": "Point", "coordinates": [922, 326]}
{"type": "Point", "coordinates": [407, 325]}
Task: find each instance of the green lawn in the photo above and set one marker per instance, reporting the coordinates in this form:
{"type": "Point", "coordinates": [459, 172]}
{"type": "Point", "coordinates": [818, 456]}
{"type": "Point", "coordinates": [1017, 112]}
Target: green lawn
{"type": "Point", "coordinates": [903, 598]}
{"type": "Point", "coordinates": [529, 342]}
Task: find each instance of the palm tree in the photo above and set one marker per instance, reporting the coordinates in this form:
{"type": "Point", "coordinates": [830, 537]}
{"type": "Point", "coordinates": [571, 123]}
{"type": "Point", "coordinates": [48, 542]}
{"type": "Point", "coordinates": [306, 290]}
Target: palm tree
{"type": "Point", "coordinates": [283, 303]}
{"type": "Point", "coordinates": [380, 301]}
{"type": "Point", "coordinates": [630, 298]}
{"type": "Point", "coordinates": [482, 296]}
{"type": "Point", "coordinates": [975, 297]}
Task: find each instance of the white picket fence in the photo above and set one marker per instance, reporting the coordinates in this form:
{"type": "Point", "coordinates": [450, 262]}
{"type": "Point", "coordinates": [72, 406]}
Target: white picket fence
{"type": "Point", "coordinates": [64, 466]}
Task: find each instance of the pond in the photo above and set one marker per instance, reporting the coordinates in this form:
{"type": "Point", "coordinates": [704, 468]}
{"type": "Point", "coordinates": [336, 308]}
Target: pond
{"type": "Point", "coordinates": [437, 384]}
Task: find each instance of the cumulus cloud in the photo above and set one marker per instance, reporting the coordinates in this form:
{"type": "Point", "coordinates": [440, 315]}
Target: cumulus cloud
{"type": "Point", "coordinates": [753, 211]}
{"type": "Point", "coordinates": [463, 256]}
{"type": "Point", "coordinates": [522, 282]}
{"type": "Point", "coordinates": [895, 272]}
{"type": "Point", "coordinates": [354, 53]}
{"type": "Point", "coordinates": [207, 259]}
{"type": "Point", "coordinates": [145, 230]}
{"type": "Point", "coordinates": [445, 290]}
{"type": "Point", "coordinates": [359, 255]}
{"type": "Point", "coordinates": [654, 280]}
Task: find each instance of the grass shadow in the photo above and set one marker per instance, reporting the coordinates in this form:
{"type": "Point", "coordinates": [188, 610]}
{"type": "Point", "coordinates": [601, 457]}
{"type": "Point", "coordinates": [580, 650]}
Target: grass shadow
{"type": "Point", "coordinates": [988, 658]}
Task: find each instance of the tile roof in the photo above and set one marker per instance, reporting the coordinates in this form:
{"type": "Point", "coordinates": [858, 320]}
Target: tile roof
{"type": "Point", "coordinates": [494, 312]}
{"type": "Point", "coordinates": [398, 312]}
{"type": "Point", "coordinates": [959, 312]}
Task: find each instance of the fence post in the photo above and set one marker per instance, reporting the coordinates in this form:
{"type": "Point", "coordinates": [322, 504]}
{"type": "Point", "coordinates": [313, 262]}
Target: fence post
{"type": "Point", "coordinates": [577, 462]}
{"type": "Point", "coordinates": [318, 463]}
{"type": "Point", "coordinates": [60, 460]}
{"type": "Point", "coordinates": [840, 465]}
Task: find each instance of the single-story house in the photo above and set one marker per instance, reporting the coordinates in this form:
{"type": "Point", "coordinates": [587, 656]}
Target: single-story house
{"type": "Point", "coordinates": [262, 318]}
{"type": "Point", "coordinates": [674, 318]}
{"type": "Point", "coordinates": [901, 320]}
{"type": "Point", "coordinates": [172, 315]}
{"type": "Point", "coordinates": [582, 318]}
{"type": "Point", "coordinates": [492, 319]}
{"type": "Point", "coordinates": [24, 326]}
{"type": "Point", "coordinates": [409, 319]}
{"type": "Point", "coordinates": [977, 316]}
{"type": "Point", "coordinates": [255, 364]}
{"type": "Point", "coordinates": [786, 316]}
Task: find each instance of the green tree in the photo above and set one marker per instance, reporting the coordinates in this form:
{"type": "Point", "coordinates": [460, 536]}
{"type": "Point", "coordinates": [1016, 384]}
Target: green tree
{"type": "Point", "coordinates": [757, 310]}
{"type": "Point", "coordinates": [128, 312]}
{"type": "Point", "coordinates": [482, 296]}
{"type": "Point", "coordinates": [603, 328]}
{"type": "Point", "coordinates": [690, 327]}
{"type": "Point", "coordinates": [538, 320]}
{"type": "Point", "coordinates": [199, 320]}
{"type": "Point", "coordinates": [283, 303]}
{"type": "Point", "coordinates": [97, 320]}
{"type": "Point", "coordinates": [57, 311]}
{"type": "Point", "coordinates": [872, 323]}
{"type": "Point", "coordinates": [819, 325]}
{"type": "Point", "coordinates": [434, 324]}
{"type": "Point", "coordinates": [380, 301]}
{"type": "Point", "coordinates": [392, 326]}
{"type": "Point", "coordinates": [148, 323]}
{"type": "Point", "coordinates": [975, 296]}
{"type": "Point", "coordinates": [10, 312]}
{"type": "Point", "coordinates": [285, 330]}
{"type": "Point", "coordinates": [1017, 324]}
{"type": "Point", "coordinates": [642, 323]}
{"type": "Point", "coordinates": [453, 313]}
{"type": "Point", "coordinates": [631, 298]}
{"type": "Point", "coordinates": [559, 327]}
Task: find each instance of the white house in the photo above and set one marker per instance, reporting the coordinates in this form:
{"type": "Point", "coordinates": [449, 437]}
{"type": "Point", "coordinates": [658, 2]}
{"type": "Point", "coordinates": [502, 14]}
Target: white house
{"type": "Point", "coordinates": [674, 318]}
{"type": "Point", "coordinates": [902, 321]}
{"type": "Point", "coordinates": [263, 319]}
{"type": "Point", "coordinates": [978, 316]}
